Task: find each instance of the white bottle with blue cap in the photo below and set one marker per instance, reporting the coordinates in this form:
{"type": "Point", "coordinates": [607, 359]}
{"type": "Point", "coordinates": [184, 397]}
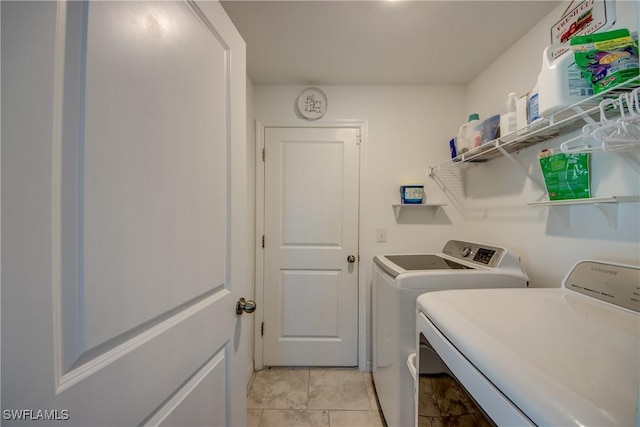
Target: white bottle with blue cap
{"type": "Point", "coordinates": [466, 133]}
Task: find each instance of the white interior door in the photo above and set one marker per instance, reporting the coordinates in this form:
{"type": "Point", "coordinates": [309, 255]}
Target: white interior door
{"type": "Point", "coordinates": [122, 238]}
{"type": "Point", "coordinates": [311, 231]}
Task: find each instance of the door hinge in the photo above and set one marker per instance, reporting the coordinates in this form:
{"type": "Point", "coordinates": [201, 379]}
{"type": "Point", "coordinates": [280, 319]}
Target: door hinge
{"type": "Point", "coordinates": [358, 136]}
{"type": "Point", "coordinates": [263, 241]}
{"type": "Point", "coordinates": [263, 155]}
{"type": "Point", "coordinates": [262, 329]}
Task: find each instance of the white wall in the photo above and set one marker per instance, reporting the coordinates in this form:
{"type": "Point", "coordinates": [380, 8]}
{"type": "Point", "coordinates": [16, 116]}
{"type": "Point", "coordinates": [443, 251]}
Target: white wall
{"type": "Point", "coordinates": [408, 129]}
{"type": "Point", "coordinates": [497, 193]}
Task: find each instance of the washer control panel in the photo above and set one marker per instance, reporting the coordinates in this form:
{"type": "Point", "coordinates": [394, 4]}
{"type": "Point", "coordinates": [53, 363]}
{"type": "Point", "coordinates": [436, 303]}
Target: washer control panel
{"type": "Point", "coordinates": [489, 256]}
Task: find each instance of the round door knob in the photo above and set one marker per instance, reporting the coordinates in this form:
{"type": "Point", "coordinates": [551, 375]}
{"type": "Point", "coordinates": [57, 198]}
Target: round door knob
{"type": "Point", "coordinates": [243, 306]}
{"type": "Point", "coordinates": [351, 259]}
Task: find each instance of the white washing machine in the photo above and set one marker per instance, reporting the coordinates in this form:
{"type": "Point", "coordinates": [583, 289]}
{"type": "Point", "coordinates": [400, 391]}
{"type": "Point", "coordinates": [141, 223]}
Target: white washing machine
{"type": "Point", "coordinates": [565, 356]}
{"type": "Point", "coordinates": [398, 280]}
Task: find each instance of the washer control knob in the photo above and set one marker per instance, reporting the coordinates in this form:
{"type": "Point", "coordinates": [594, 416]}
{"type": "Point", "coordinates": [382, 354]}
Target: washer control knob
{"type": "Point", "coordinates": [466, 251]}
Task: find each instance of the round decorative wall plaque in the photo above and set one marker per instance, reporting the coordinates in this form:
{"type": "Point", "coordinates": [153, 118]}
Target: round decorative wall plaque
{"type": "Point", "coordinates": [312, 103]}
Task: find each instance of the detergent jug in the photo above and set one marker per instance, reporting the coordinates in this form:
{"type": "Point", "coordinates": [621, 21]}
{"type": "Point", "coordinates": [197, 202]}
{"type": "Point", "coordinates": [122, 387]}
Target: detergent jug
{"type": "Point", "coordinates": [467, 133]}
{"type": "Point", "coordinates": [560, 81]}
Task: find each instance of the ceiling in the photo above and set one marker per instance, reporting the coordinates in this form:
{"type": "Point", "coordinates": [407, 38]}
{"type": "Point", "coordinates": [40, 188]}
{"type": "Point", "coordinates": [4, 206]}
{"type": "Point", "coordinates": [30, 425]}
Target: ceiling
{"type": "Point", "coordinates": [378, 42]}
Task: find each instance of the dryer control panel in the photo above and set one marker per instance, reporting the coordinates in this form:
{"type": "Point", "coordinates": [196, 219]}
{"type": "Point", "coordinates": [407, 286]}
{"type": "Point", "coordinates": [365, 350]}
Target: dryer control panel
{"type": "Point", "coordinates": [489, 256]}
{"type": "Point", "coordinates": [614, 283]}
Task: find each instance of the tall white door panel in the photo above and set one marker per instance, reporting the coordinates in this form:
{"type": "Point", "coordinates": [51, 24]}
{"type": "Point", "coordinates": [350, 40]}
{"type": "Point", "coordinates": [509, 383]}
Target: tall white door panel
{"type": "Point", "coordinates": [122, 229]}
{"type": "Point", "coordinates": [311, 247]}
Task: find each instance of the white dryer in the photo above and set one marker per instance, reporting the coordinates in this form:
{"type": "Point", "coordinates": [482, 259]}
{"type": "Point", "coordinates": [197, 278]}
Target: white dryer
{"type": "Point", "coordinates": [398, 280]}
{"type": "Point", "coordinates": [565, 356]}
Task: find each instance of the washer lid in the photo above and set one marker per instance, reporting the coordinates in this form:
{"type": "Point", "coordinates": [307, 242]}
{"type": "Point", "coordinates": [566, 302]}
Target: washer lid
{"type": "Point", "coordinates": [424, 262]}
{"type": "Point", "coordinates": [397, 264]}
{"type": "Point", "coordinates": [562, 358]}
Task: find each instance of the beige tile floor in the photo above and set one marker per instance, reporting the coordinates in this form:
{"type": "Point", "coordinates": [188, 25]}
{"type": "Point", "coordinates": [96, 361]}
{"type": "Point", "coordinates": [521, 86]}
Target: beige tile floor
{"type": "Point", "coordinates": [294, 397]}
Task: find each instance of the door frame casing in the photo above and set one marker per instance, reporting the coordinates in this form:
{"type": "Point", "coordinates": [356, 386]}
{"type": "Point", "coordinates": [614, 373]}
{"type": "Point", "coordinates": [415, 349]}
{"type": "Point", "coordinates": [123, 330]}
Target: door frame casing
{"type": "Point", "coordinates": [259, 226]}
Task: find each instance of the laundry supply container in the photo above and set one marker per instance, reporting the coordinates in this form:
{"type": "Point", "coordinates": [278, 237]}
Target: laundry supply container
{"type": "Point", "coordinates": [411, 194]}
{"type": "Point", "coordinates": [467, 133]}
{"type": "Point", "coordinates": [560, 82]}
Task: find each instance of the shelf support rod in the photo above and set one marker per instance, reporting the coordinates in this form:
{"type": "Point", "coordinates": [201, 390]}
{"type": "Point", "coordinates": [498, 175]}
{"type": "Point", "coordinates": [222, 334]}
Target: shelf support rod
{"type": "Point", "coordinates": [610, 211]}
{"type": "Point", "coordinates": [448, 191]}
{"type": "Point", "coordinates": [584, 115]}
{"type": "Point", "coordinates": [630, 160]}
{"type": "Point", "coordinates": [563, 212]}
{"type": "Point", "coordinates": [522, 168]}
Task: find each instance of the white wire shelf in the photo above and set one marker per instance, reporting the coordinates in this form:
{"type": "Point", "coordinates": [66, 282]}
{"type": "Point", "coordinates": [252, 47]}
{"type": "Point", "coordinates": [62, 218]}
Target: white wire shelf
{"type": "Point", "coordinates": [568, 119]}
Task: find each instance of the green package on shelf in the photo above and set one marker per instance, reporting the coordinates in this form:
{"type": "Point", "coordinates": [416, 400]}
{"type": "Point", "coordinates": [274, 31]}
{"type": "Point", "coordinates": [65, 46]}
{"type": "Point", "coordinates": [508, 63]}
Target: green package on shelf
{"type": "Point", "coordinates": [566, 176]}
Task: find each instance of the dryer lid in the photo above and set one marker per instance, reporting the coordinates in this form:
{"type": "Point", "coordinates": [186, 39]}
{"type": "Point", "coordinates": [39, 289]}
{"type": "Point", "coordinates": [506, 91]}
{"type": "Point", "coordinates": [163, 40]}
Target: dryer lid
{"type": "Point", "coordinates": [561, 357]}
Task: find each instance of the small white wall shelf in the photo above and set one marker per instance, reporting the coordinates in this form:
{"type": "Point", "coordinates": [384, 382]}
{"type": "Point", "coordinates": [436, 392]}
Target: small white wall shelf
{"type": "Point", "coordinates": [607, 205]}
{"type": "Point", "coordinates": [435, 207]}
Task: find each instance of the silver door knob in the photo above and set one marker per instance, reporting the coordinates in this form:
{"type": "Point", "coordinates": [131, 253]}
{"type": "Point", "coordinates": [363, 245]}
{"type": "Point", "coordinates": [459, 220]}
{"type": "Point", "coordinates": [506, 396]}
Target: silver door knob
{"type": "Point", "coordinates": [351, 259]}
{"type": "Point", "coordinates": [243, 306]}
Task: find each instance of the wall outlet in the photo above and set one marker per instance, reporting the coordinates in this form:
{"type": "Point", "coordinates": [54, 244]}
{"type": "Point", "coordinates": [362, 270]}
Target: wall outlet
{"type": "Point", "coordinates": [381, 234]}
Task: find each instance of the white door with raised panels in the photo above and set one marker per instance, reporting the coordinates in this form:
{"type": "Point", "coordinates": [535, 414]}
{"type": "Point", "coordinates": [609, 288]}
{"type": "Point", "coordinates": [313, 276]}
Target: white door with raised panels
{"type": "Point", "coordinates": [311, 247]}
{"type": "Point", "coordinates": [123, 215]}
